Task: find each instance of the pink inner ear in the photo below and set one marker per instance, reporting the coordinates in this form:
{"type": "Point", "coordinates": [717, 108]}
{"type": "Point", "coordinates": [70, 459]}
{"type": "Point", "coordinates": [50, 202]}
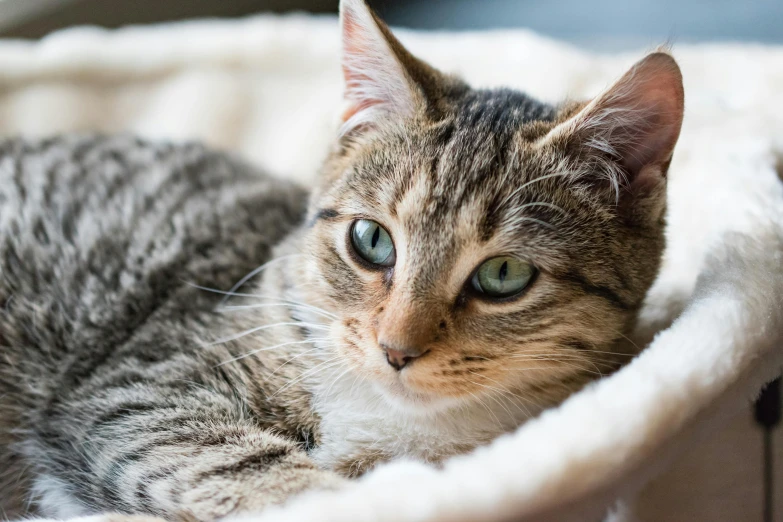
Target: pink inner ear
{"type": "Point", "coordinates": [655, 135]}
{"type": "Point", "coordinates": [639, 117]}
{"type": "Point", "coordinates": [355, 45]}
{"type": "Point", "coordinates": [376, 83]}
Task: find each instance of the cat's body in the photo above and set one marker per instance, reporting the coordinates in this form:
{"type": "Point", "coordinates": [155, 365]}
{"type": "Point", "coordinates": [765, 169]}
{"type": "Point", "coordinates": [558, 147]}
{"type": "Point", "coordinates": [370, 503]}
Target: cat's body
{"type": "Point", "coordinates": [467, 258]}
{"type": "Point", "coordinates": [106, 343]}
{"type": "Point", "coordinates": [116, 372]}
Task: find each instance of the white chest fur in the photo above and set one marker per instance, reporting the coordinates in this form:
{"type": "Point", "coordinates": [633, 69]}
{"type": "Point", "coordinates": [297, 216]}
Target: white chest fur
{"type": "Point", "coordinates": [359, 424]}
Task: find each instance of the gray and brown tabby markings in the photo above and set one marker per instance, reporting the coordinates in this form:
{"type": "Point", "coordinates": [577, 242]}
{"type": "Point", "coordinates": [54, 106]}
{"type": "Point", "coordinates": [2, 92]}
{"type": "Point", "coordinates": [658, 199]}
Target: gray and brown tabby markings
{"type": "Point", "coordinates": [129, 383]}
{"type": "Point", "coordinates": [105, 376]}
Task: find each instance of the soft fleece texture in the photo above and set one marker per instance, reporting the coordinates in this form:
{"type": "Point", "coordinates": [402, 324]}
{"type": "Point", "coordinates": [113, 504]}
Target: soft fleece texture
{"type": "Point", "coordinates": [667, 438]}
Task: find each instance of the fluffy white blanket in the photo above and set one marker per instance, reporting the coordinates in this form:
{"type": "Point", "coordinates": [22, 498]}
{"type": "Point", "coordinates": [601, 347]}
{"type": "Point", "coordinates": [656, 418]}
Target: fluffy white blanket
{"type": "Point", "coordinates": [670, 436]}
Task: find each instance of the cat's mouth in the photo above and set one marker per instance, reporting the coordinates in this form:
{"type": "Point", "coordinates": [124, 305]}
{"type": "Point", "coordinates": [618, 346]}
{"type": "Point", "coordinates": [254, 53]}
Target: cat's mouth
{"type": "Point", "coordinates": [414, 385]}
{"type": "Point", "coordinates": [402, 395]}
{"type": "Point", "coordinates": [403, 388]}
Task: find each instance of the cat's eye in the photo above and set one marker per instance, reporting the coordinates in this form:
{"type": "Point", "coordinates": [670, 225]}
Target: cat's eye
{"type": "Point", "coordinates": [503, 276]}
{"type": "Point", "coordinates": [373, 243]}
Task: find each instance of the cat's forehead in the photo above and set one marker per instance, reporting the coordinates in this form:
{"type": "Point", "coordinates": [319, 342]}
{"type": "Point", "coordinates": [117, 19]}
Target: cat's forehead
{"type": "Point", "coordinates": [457, 166]}
{"type": "Point", "coordinates": [498, 111]}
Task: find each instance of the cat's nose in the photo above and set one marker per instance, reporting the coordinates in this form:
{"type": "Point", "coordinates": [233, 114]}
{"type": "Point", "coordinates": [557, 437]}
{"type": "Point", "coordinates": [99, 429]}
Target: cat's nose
{"type": "Point", "coordinates": [399, 358]}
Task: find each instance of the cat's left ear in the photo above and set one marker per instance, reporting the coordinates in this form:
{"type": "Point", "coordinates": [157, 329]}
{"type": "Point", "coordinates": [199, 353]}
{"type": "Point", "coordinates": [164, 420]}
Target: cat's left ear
{"type": "Point", "coordinates": [382, 79]}
{"type": "Point", "coordinates": [626, 136]}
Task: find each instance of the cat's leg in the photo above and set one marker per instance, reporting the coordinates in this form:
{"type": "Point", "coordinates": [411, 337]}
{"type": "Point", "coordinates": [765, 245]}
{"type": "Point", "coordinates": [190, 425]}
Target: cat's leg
{"type": "Point", "coordinates": [176, 456]}
{"type": "Point", "coordinates": [107, 517]}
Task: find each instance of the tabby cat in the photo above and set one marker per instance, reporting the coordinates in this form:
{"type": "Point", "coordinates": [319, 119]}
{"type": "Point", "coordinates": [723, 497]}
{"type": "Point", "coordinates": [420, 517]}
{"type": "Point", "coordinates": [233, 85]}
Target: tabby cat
{"type": "Point", "coordinates": [467, 258]}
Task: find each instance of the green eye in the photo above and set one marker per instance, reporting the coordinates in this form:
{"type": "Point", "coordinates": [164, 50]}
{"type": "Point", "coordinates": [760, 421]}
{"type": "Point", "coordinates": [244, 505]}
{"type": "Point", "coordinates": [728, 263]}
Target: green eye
{"type": "Point", "coordinates": [503, 276]}
{"type": "Point", "coordinates": [373, 243]}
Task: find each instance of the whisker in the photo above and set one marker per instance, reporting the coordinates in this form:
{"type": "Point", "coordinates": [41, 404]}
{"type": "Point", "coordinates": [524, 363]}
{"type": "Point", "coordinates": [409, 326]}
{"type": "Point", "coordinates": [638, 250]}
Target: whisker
{"type": "Point", "coordinates": [296, 306]}
{"type": "Point", "coordinates": [226, 292]}
{"type": "Point", "coordinates": [620, 354]}
{"type": "Point", "coordinates": [543, 204]}
{"type": "Point", "coordinates": [548, 357]}
{"type": "Point", "coordinates": [266, 327]}
{"type": "Point", "coordinates": [296, 357]}
{"type": "Point", "coordinates": [334, 361]}
{"type": "Point", "coordinates": [497, 401]}
{"type": "Point", "coordinates": [504, 387]}
{"type": "Point", "coordinates": [481, 357]}
{"type": "Point", "coordinates": [524, 185]}
{"type": "Point", "coordinates": [218, 291]}
{"type": "Point", "coordinates": [249, 354]}
{"type": "Point", "coordinates": [621, 334]}
{"type": "Point", "coordinates": [537, 368]}
{"type": "Point", "coordinates": [334, 381]}
{"type": "Point", "coordinates": [563, 358]}
{"type": "Point", "coordinates": [478, 399]}
{"type": "Point", "coordinates": [355, 383]}
{"type": "Point", "coordinates": [574, 353]}
{"type": "Point", "coordinates": [255, 272]}
{"type": "Point", "coordinates": [560, 367]}
{"type": "Point", "coordinates": [516, 219]}
{"type": "Point", "coordinates": [256, 296]}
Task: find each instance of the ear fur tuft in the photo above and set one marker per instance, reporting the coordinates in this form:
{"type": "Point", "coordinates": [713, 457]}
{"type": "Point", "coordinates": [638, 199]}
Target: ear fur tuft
{"type": "Point", "coordinates": [628, 132]}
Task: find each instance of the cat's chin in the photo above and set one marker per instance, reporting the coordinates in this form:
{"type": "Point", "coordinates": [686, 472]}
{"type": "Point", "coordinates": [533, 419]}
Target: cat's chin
{"type": "Point", "coordinates": [402, 398]}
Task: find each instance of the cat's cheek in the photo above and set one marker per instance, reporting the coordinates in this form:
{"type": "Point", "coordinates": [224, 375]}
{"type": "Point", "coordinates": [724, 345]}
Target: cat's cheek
{"type": "Point", "coordinates": [349, 344]}
{"type": "Point", "coordinates": [424, 378]}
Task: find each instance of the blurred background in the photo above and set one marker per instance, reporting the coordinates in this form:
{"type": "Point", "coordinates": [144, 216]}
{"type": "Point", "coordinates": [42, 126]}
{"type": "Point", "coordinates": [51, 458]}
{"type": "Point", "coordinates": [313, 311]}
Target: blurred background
{"type": "Point", "coordinates": [597, 25]}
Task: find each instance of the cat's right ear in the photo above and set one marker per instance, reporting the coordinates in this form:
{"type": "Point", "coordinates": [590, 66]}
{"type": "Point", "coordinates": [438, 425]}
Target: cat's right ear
{"type": "Point", "coordinates": [380, 75]}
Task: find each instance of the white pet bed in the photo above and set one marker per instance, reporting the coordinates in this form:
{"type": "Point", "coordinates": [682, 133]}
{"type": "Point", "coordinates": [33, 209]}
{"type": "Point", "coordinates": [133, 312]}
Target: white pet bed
{"type": "Point", "coordinates": [667, 438]}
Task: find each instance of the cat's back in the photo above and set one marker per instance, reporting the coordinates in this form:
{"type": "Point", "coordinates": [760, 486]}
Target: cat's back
{"type": "Point", "coordinates": [100, 236]}
{"type": "Point", "coordinates": [97, 232]}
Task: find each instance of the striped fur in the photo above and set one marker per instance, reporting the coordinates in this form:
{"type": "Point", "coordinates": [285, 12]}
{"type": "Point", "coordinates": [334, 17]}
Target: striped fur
{"type": "Point", "coordinates": [111, 391]}
{"type": "Point", "coordinates": [183, 337]}
{"type": "Point", "coordinates": [457, 176]}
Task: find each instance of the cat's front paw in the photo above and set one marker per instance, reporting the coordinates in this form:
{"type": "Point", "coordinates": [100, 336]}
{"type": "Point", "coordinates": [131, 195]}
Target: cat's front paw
{"type": "Point", "coordinates": [224, 497]}
{"type": "Point", "coordinates": [116, 517]}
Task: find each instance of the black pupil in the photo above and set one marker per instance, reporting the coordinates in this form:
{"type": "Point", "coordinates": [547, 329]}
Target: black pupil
{"type": "Point", "coordinates": [503, 272]}
{"type": "Point", "coordinates": [375, 237]}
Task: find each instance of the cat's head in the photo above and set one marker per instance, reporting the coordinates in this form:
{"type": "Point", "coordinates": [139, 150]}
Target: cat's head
{"type": "Point", "coordinates": [478, 241]}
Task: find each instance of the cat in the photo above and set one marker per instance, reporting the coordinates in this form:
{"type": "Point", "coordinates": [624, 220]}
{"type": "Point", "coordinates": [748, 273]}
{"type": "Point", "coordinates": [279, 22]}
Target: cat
{"type": "Point", "coordinates": [185, 337]}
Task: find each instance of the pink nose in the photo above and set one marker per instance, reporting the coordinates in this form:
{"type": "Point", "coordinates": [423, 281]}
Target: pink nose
{"type": "Point", "coordinates": [398, 359]}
